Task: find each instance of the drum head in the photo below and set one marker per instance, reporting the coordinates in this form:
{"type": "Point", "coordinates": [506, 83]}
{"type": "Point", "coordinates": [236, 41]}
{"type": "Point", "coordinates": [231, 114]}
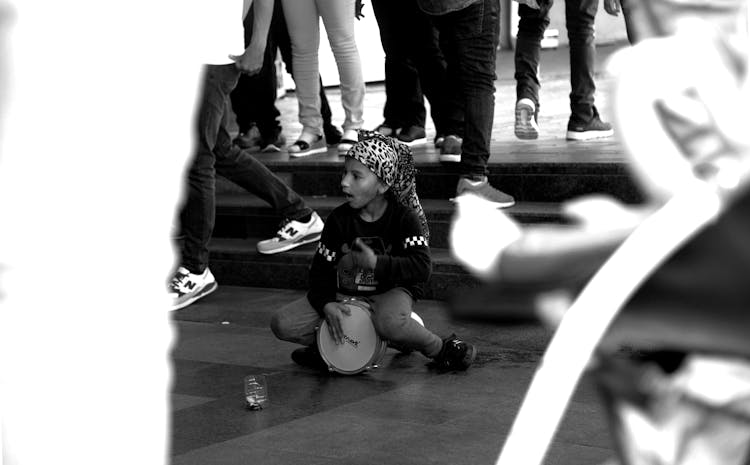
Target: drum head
{"type": "Point", "coordinates": [361, 343]}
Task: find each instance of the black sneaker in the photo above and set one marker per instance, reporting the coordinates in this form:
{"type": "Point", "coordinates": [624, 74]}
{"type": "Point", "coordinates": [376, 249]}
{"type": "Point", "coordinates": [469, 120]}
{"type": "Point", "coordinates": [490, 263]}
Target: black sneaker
{"type": "Point", "coordinates": [450, 151]}
{"type": "Point", "coordinates": [456, 355]}
{"type": "Point", "coordinates": [249, 140]}
{"type": "Point", "coordinates": [309, 357]}
{"type": "Point", "coordinates": [594, 128]}
{"type": "Point", "coordinates": [412, 135]}
{"type": "Point", "coordinates": [332, 134]}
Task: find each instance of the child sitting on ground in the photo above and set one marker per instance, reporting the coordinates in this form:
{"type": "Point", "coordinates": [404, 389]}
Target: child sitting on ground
{"type": "Point", "coordinates": [374, 246]}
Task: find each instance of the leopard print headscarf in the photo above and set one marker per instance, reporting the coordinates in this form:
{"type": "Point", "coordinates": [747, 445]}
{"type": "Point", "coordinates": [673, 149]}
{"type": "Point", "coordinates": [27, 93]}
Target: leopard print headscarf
{"type": "Point", "coordinates": [392, 162]}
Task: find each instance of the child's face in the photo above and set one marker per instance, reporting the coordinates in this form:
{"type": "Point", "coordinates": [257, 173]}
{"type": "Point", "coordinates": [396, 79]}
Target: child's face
{"type": "Point", "coordinates": [359, 184]}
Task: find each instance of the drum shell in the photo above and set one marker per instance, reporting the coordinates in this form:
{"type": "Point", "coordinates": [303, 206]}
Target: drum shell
{"type": "Point", "coordinates": [350, 358]}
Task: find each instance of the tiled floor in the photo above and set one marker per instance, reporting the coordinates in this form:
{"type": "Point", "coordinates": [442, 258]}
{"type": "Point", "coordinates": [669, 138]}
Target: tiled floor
{"type": "Point", "coordinates": [400, 413]}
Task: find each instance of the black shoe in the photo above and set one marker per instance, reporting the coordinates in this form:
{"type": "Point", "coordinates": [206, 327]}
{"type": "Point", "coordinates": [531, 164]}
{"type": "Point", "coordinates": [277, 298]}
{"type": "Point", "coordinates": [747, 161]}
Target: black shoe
{"type": "Point", "coordinates": [249, 140]}
{"type": "Point", "coordinates": [455, 354]}
{"type": "Point", "coordinates": [594, 128]}
{"type": "Point", "coordinates": [309, 357]}
{"type": "Point", "coordinates": [332, 134]}
{"type": "Point", "coordinates": [387, 129]}
{"type": "Point", "coordinates": [412, 135]}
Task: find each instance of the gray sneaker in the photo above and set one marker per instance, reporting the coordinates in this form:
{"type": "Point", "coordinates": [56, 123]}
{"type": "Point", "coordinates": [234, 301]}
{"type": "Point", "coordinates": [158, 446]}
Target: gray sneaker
{"type": "Point", "coordinates": [526, 126]}
{"type": "Point", "coordinates": [484, 190]}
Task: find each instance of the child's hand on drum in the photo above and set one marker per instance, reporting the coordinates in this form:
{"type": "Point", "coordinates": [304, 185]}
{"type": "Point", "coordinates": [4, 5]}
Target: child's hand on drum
{"type": "Point", "coordinates": [334, 313]}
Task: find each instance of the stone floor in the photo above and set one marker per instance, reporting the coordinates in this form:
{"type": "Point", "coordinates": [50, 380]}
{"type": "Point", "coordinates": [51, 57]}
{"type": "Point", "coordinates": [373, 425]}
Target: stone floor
{"type": "Point", "coordinates": [400, 413]}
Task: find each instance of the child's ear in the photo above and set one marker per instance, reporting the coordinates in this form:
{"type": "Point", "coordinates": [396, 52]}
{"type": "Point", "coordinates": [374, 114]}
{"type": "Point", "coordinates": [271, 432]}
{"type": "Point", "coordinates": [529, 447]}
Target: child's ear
{"type": "Point", "coordinates": [382, 188]}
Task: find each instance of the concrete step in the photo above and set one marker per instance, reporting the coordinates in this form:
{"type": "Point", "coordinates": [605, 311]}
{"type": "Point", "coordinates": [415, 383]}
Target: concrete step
{"type": "Point", "coordinates": [545, 171]}
{"type": "Point", "coordinates": [244, 215]}
{"type": "Point", "coordinates": [237, 262]}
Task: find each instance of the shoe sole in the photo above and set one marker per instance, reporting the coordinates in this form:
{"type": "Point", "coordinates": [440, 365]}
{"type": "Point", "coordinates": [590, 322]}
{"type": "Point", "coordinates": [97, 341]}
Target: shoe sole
{"type": "Point", "coordinates": [523, 127]}
{"type": "Point", "coordinates": [206, 291]}
{"type": "Point", "coordinates": [303, 241]}
{"type": "Point", "coordinates": [495, 203]}
{"type": "Point", "coordinates": [588, 135]}
{"type": "Point", "coordinates": [271, 148]}
{"type": "Point", "coordinates": [471, 357]}
{"type": "Point", "coordinates": [422, 140]}
{"type": "Point", "coordinates": [450, 158]}
{"type": "Point", "coordinates": [308, 152]}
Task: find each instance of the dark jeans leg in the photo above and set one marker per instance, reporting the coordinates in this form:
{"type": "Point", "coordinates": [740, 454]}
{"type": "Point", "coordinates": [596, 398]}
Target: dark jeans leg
{"type": "Point", "coordinates": [579, 19]}
{"type": "Point", "coordinates": [198, 215]}
{"type": "Point", "coordinates": [254, 98]}
{"type": "Point", "coordinates": [531, 26]}
{"type": "Point", "coordinates": [246, 171]}
{"type": "Point", "coordinates": [404, 105]}
{"type": "Point", "coordinates": [470, 37]}
{"type": "Point", "coordinates": [424, 47]}
{"type": "Point", "coordinates": [284, 43]}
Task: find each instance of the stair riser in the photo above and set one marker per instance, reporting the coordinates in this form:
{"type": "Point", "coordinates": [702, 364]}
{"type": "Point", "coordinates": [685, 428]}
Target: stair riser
{"type": "Point", "coordinates": [237, 272]}
{"type": "Point", "coordinates": [259, 225]}
{"type": "Point", "coordinates": [526, 186]}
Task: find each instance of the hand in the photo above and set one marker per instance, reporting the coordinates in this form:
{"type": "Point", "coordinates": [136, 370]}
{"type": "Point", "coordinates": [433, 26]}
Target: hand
{"type": "Point", "coordinates": [358, 9]}
{"type": "Point", "coordinates": [364, 257]}
{"type": "Point", "coordinates": [612, 7]}
{"type": "Point", "coordinates": [250, 62]}
{"type": "Point", "coordinates": [334, 314]}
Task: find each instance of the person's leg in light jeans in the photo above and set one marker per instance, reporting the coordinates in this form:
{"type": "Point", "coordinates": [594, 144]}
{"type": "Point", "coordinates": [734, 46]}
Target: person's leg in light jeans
{"type": "Point", "coordinates": [302, 21]}
{"type": "Point", "coordinates": [391, 315]}
{"type": "Point", "coordinates": [198, 213]}
{"type": "Point", "coordinates": [579, 19]}
{"type": "Point", "coordinates": [338, 19]}
{"type": "Point", "coordinates": [296, 322]}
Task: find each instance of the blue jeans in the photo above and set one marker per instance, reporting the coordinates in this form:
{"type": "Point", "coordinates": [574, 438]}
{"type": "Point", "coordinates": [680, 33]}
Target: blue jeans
{"type": "Point", "coordinates": [468, 39]}
{"type": "Point", "coordinates": [215, 153]}
{"type": "Point", "coordinates": [579, 20]}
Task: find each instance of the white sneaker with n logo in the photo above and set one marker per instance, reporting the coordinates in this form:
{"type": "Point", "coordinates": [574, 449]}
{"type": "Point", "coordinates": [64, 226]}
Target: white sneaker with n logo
{"type": "Point", "coordinates": [293, 234]}
{"type": "Point", "coordinates": [186, 287]}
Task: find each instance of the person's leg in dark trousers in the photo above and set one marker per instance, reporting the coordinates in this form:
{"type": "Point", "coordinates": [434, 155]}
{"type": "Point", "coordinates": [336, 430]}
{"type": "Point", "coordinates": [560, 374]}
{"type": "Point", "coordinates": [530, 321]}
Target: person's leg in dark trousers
{"type": "Point", "coordinates": [579, 19]}
{"type": "Point", "coordinates": [424, 48]}
{"type": "Point", "coordinates": [404, 105]}
{"type": "Point", "coordinates": [469, 39]}
{"type": "Point", "coordinates": [245, 170]}
{"type": "Point", "coordinates": [254, 98]}
{"type": "Point", "coordinates": [531, 26]}
{"type": "Point", "coordinates": [198, 213]}
{"type": "Point", "coordinates": [284, 44]}
{"type": "Point", "coordinates": [584, 122]}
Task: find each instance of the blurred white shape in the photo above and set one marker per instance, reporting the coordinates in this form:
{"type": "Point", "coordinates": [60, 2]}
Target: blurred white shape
{"type": "Point", "coordinates": [479, 233]}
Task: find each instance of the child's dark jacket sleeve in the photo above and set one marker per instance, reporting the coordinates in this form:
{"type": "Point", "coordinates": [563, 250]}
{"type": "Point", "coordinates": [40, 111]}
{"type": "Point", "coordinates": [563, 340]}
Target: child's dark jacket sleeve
{"type": "Point", "coordinates": [323, 278]}
{"type": "Point", "coordinates": [409, 263]}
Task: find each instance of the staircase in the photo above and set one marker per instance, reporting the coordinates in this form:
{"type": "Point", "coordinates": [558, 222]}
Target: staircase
{"type": "Point", "coordinates": [539, 174]}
